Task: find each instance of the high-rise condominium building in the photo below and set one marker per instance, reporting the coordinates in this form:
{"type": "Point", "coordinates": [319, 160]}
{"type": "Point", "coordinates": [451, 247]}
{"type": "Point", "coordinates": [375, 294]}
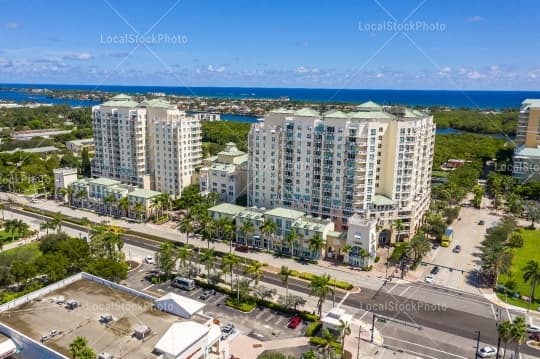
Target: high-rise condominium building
{"type": "Point", "coordinates": [374, 163]}
{"type": "Point", "coordinates": [150, 144]}
{"type": "Point", "coordinates": [526, 164]}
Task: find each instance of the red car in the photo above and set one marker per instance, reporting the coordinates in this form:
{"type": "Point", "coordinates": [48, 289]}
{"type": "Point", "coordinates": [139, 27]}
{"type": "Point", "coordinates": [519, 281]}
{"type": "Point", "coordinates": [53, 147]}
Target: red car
{"type": "Point", "coordinates": [294, 322]}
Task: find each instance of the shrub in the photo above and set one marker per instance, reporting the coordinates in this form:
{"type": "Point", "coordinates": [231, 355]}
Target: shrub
{"type": "Point", "coordinates": [309, 316]}
{"type": "Point", "coordinates": [317, 341]}
{"type": "Point", "coordinates": [377, 259]}
{"type": "Point", "coordinates": [242, 306]}
{"type": "Point", "coordinates": [306, 276]}
{"type": "Point", "coordinates": [342, 284]}
{"type": "Point", "coordinates": [511, 285]}
{"type": "Point", "coordinates": [313, 328]}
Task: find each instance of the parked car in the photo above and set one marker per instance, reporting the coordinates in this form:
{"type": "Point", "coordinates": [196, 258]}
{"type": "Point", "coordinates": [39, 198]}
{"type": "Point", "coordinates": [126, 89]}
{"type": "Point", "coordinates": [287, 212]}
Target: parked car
{"type": "Point", "coordinates": [226, 331]}
{"type": "Point", "coordinates": [531, 328]}
{"type": "Point", "coordinates": [435, 270]}
{"type": "Point", "coordinates": [205, 295]}
{"type": "Point", "coordinates": [428, 279]}
{"type": "Point", "coordinates": [535, 336]}
{"type": "Point", "coordinates": [481, 222]}
{"type": "Point", "coordinates": [243, 249]}
{"type": "Point", "coordinates": [487, 352]}
{"type": "Point", "coordinates": [294, 322]}
{"type": "Point", "coordinates": [435, 245]}
{"type": "Point", "coordinates": [457, 249]}
{"type": "Point", "coordinates": [149, 260]}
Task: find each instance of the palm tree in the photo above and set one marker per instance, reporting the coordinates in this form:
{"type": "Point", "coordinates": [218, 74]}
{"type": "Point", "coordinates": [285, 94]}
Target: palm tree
{"type": "Point", "coordinates": [320, 288]}
{"type": "Point", "coordinates": [208, 259]}
{"type": "Point", "coordinates": [139, 209]}
{"type": "Point", "coordinates": [123, 204]}
{"type": "Point", "coordinates": [15, 225]}
{"type": "Point", "coordinates": [316, 244]}
{"type": "Point", "coordinates": [246, 229]}
{"type": "Point", "coordinates": [292, 238]}
{"type": "Point", "coordinates": [531, 272]}
{"type": "Point", "coordinates": [229, 232]}
{"type": "Point", "coordinates": [56, 221]}
{"type": "Point", "coordinates": [418, 247]}
{"type": "Point", "coordinates": [496, 260]}
{"type": "Point", "coordinates": [518, 333]}
{"type": "Point", "coordinates": [398, 226]}
{"type": "Point", "coordinates": [255, 271]}
{"type": "Point", "coordinates": [185, 226]}
{"type": "Point", "coordinates": [229, 262]}
{"type": "Point", "coordinates": [269, 228]}
{"type": "Point", "coordinates": [344, 329]}
{"type": "Point", "coordinates": [79, 349]}
{"type": "Point", "coordinates": [80, 195]}
{"type": "Point", "coordinates": [67, 191]}
{"type": "Point", "coordinates": [284, 274]}
{"type": "Point", "coordinates": [505, 333]}
{"type": "Point", "coordinates": [157, 205]}
{"type": "Point", "coordinates": [47, 225]}
{"type": "Point", "coordinates": [184, 256]}
{"type": "Point", "coordinates": [209, 231]}
{"type": "Point", "coordinates": [109, 200]}
{"type": "Point", "coordinates": [346, 249]}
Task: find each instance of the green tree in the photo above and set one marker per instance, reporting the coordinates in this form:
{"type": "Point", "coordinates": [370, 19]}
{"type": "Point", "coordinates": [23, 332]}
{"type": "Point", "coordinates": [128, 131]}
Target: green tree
{"type": "Point", "coordinates": [109, 201]}
{"type": "Point", "coordinates": [247, 229]}
{"type": "Point", "coordinates": [478, 195]}
{"type": "Point", "coordinates": [518, 333]}
{"type": "Point", "coordinates": [230, 261]}
{"type": "Point", "coordinates": [292, 238]}
{"type": "Point", "coordinates": [344, 329]}
{"type": "Point", "coordinates": [268, 229]}
{"type": "Point", "coordinates": [505, 334]}
{"type": "Point", "coordinates": [56, 221]}
{"type": "Point", "coordinates": [316, 244]}
{"type": "Point", "coordinates": [185, 226]}
{"type": "Point", "coordinates": [140, 210]}
{"type": "Point", "coordinates": [166, 259]}
{"type": "Point", "coordinates": [531, 273]}
{"type": "Point", "coordinates": [532, 209]}
{"type": "Point", "coordinates": [17, 226]}
{"type": "Point", "coordinates": [79, 349]}
{"type": "Point", "coordinates": [255, 271]}
{"type": "Point", "coordinates": [86, 165]}
{"type": "Point", "coordinates": [208, 258]}
{"type": "Point", "coordinates": [319, 287]}
{"type": "Point", "coordinates": [209, 231]}
{"type": "Point", "coordinates": [398, 226]}
{"type": "Point", "coordinates": [284, 274]}
{"type": "Point", "coordinates": [123, 204]}
{"type": "Point", "coordinates": [418, 247]}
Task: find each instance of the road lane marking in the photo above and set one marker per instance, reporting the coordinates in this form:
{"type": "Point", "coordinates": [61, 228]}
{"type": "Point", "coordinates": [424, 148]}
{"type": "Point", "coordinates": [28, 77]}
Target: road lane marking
{"type": "Point", "coordinates": [391, 289]}
{"type": "Point", "coordinates": [493, 311]}
{"type": "Point", "coordinates": [404, 291]}
{"type": "Point", "coordinates": [343, 299]}
{"type": "Point", "coordinates": [363, 315]}
{"type": "Point", "coordinates": [508, 314]}
{"type": "Point", "coordinates": [423, 346]}
{"type": "Point", "coordinates": [259, 315]}
{"type": "Point", "coordinates": [150, 286]}
{"type": "Point", "coordinates": [455, 296]}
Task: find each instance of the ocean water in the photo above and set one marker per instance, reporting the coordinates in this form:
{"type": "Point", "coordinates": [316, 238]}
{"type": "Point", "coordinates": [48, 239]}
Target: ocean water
{"type": "Point", "coordinates": [455, 99]}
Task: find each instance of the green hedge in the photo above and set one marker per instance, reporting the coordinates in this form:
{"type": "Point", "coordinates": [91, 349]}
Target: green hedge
{"type": "Point", "coordinates": [309, 277]}
{"type": "Point", "coordinates": [318, 341]}
{"type": "Point", "coordinates": [313, 329]}
{"type": "Point", "coordinates": [342, 284]}
{"type": "Point", "coordinates": [242, 306]}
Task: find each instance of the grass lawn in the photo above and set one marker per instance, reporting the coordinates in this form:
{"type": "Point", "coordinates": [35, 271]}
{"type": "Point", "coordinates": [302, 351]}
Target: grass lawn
{"type": "Point", "coordinates": [516, 301]}
{"type": "Point", "coordinates": [6, 236]}
{"type": "Point", "coordinates": [26, 254]}
{"type": "Point", "coordinates": [529, 251]}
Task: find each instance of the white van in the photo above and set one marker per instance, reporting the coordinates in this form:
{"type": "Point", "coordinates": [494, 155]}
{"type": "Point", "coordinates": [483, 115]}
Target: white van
{"type": "Point", "coordinates": [183, 283]}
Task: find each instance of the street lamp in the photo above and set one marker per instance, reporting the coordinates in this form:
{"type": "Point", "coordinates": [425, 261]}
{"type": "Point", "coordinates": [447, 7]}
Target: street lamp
{"type": "Point", "coordinates": [477, 343]}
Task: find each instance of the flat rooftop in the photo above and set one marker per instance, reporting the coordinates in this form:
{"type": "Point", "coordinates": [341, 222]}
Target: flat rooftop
{"type": "Point", "coordinates": [38, 318]}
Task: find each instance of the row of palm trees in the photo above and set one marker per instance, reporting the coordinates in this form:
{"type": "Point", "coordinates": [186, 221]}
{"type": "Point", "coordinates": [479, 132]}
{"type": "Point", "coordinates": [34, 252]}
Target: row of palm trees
{"type": "Point", "coordinates": [514, 332]}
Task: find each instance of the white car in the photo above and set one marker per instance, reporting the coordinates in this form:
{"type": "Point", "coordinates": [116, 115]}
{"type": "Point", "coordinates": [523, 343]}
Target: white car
{"type": "Point", "coordinates": [149, 260]}
{"type": "Point", "coordinates": [428, 279]}
{"type": "Point", "coordinates": [487, 352]}
{"type": "Point", "coordinates": [531, 328]}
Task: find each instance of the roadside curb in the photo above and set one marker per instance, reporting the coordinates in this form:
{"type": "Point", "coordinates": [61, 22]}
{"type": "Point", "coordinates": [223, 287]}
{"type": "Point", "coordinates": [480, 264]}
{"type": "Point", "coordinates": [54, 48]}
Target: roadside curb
{"type": "Point", "coordinates": [495, 300]}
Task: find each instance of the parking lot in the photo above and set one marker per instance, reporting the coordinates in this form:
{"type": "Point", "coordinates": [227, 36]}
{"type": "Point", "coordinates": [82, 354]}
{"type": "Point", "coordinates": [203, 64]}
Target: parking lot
{"type": "Point", "coordinates": [261, 323]}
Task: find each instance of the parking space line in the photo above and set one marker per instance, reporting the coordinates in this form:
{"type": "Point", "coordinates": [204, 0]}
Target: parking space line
{"type": "Point", "coordinates": [219, 299]}
{"type": "Point", "coordinates": [404, 291]}
{"type": "Point", "coordinates": [280, 319]}
{"type": "Point", "coordinates": [259, 315]}
{"type": "Point", "coordinates": [391, 289]}
{"type": "Point", "coordinates": [270, 317]}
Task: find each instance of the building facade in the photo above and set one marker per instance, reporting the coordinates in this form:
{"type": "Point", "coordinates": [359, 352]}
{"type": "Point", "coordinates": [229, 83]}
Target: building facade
{"type": "Point", "coordinates": [526, 164]}
{"type": "Point", "coordinates": [225, 174]}
{"type": "Point", "coordinates": [150, 144]}
{"type": "Point", "coordinates": [63, 178]}
{"type": "Point", "coordinates": [76, 146]}
{"type": "Point", "coordinates": [374, 162]}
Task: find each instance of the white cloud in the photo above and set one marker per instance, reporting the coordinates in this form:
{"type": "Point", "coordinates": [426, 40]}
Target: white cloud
{"type": "Point", "coordinates": [475, 75]}
{"type": "Point", "coordinates": [211, 68]}
{"type": "Point", "coordinates": [379, 75]}
{"type": "Point", "coordinates": [11, 25]}
{"type": "Point", "coordinates": [445, 71]}
{"type": "Point", "coordinates": [475, 18]}
{"type": "Point", "coordinates": [83, 56]}
{"type": "Point", "coordinates": [303, 70]}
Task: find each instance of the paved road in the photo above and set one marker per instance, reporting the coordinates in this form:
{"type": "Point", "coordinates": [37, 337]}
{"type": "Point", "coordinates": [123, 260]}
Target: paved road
{"type": "Point", "coordinates": [430, 307]}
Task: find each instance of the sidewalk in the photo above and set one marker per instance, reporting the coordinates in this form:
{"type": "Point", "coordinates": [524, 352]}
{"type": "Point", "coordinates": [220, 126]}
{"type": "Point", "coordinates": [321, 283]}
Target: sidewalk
{"type": "Point", "coordinates": [492, 297]}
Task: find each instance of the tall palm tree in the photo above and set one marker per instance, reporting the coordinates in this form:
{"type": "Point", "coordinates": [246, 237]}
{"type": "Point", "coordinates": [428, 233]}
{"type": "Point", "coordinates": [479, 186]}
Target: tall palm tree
{"type": "Point", "coordinates": [531, 272]}
{"type": "Point", "coordinates": [292, 238]}
{"type": "Point", "coordinates": [209, 231]}
{"type": "Point", "coordinates": [230, 261]}
{"type": "Point", "coordinates": [255, 271]}
{"type": "Point", "coordinates": [56, 221]}
{"type": "Point", "coordinates": [229, 232]}
{"type": "Point", "coordinates": [346, 249]}
{"type": "Point", "coordinates": [268, 229]}
{"type": "Point", "coordinates": [316, 244]}
{"type": "Point", "coordinates": [157, 206]}
{"type": "Point", "coordinates": [344, 329]}
{"type": "Point", "coordinates": [139, 209]}
{"type": "Point", "coordinates": [185, 226]}
{"type": "Point", "coordinates": [418, 247]}
{"type": "Point", "coordinates": [79, 349]}
{"type": "Point", "coordinates": [67, 191]}
{"type": "Point", "coordinates": [246, 229]}
{"type": "Point", "coordinates": [284, 274]}
{"type": "Point", "coordinates": [398, 227]}
{"type": "Point", "coordinates": [319, 287]}
{"type": "Point", "coordinates": [123, 204]}
{"type": "Point", "coordinates": [47, 225]}
{"type": "Point", "coordinates": [184, 256]}
{"type": "Point", "coordinates": [81, 194]}
{"type": "Point", "coordinates": [15, 226]}
{"type": "Point", "coordinates": [208, 259]}
{"type": "Point", "coordinates": [109, 200]}
{"type": "Point", "coordinates": [519, 333]}
{"type": "Point", "coordinates": [505, 333]}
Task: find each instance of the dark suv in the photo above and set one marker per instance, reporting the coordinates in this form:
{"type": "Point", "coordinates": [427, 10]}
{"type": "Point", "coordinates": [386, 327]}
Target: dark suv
{"type": "Point", "coordinates": [435, 270]}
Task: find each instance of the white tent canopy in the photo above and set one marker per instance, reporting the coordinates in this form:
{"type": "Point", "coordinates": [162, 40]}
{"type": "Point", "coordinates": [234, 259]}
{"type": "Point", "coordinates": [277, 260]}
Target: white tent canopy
{"type": "Point", "coordinates": [178, 305]}
{"type": "Point", "coordinates": [182, 338]}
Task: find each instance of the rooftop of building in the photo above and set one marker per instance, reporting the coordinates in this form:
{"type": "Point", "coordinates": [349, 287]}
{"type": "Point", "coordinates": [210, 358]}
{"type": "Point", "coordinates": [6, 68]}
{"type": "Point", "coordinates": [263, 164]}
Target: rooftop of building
{"type": "Point", "coordinates": [285, 213]}
{"type": "Point", "coordinates": [37, 318]}
{"type": "Point", "coordinates": [121, 100]}
{"type": "Point", "coordinates": [144, 193]}
{"type": "Point", "coordinates": [158, 103]}
{"type": "Point", "coordinates": [365, 111]}
{"type": "Point", "coordinates": [531, 152]}
{"type": "Point", "coordinates": [81, 141]}
{"type": "Point", "coordinates": [104, 181]}
{"type": "Point", "coordinates": [65, 170]}
{"type": "Point", "coordinates": [531, 102]}
{"type": "Point", "coordinates": [44, 149]}
{"type": "Point", "coordinates": [228, 208]}
{"type": "Point", "coordinates": [382, 200]}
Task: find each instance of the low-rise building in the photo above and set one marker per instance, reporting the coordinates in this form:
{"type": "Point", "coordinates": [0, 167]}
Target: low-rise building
{"type": "Point", "coordinates": [76, 146]}
{"type": "Point", "coordinates": [42, 151]}
{"type": "Point", "coordinates": [105, 195]}
{"type": "Point", "coordinates": [117, 321]}
{"type": "Point", "coordinates": [208, 116]}
{"type": "Point", "coordinates": [28, 135]}
{"type": "Point", "coordinates": [63, 178]}
{"type": "Point", "coordinates": [225, 174]}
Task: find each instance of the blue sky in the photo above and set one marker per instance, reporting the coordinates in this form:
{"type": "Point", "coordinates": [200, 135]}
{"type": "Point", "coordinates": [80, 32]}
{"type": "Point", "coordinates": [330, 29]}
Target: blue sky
{"type": "Point", "coordinates": [326, 43]}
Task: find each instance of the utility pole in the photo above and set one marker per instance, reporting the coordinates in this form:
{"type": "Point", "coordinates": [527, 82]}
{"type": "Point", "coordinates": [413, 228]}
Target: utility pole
{"type": "Point", "coordinates": [373, 327]}
{"type": "Point", "coordinates": [359, 338]}
{"type": "Point", "coordinates": [334, 296]}
{"type": "Point", "coordinates": [477, 343]}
